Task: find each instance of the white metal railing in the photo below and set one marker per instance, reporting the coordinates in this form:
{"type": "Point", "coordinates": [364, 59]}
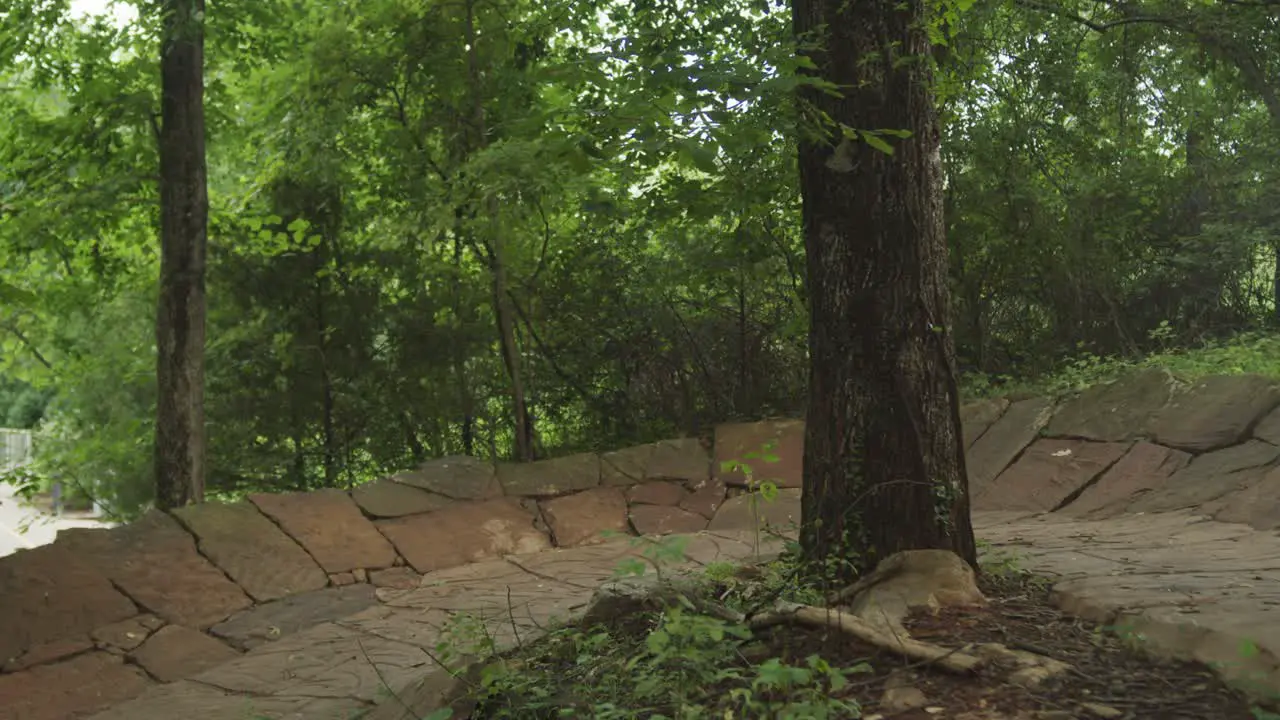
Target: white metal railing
{"type": "Point", "coordinates": [15, 448]}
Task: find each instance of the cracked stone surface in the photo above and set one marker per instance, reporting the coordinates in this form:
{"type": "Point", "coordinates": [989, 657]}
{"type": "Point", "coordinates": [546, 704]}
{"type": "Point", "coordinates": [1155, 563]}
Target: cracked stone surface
{"type": "Point", "coordinates": [1192, 587]}
{"type": "Point", "coordinates": [1152, 508]}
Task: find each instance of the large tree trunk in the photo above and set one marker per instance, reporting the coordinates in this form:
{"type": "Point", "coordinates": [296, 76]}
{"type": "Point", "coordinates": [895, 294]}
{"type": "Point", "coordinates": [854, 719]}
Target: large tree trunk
{"type": "Point", "coordinates": [884, 464]}
{"type": "Point", "coordinates": [184, 210]}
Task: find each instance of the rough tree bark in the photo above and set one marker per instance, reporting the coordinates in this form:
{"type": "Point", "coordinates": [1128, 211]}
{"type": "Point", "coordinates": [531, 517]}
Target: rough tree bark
{"type": "Point", "coordinates": [884, 462]}
{"type": "Point", "coordinates": [184, 210]}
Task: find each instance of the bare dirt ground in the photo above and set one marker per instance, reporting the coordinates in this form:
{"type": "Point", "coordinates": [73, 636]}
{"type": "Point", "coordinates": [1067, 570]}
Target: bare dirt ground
{"type": "Point", "coordinates": [1108, 677]}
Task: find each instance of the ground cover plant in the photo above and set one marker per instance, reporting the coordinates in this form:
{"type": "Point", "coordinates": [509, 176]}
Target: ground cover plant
{"type": "Point", "coordinates": [693, 656]}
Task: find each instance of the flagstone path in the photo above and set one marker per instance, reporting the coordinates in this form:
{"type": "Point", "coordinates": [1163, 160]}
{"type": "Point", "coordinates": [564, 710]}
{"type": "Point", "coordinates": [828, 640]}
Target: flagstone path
{"type": "Point", "coordinates": [1186, 585]}
{"type": "Point", "coordinates": [1153, 504]}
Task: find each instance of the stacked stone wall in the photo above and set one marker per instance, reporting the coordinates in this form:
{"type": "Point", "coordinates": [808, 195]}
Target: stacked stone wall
{"type": "Point", "coordinates": [105, 614]}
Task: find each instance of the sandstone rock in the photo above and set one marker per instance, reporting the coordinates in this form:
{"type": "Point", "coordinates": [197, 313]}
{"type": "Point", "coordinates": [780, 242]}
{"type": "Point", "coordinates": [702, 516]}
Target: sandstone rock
{"type": "Point", "coordinates": [735, 441]}
{"type": "Point", "coordinates": [401, 578]}
{"type": "Point", "coordinates": [122, 636]}
{"type": "Point", "coordinates": [1049, 472]}
{"type": "Point", "coordinates": [458, 477]}
{"type": "Point", "coordinates": [1116, 411]}
{"type": "Point", "coordinates": [556, 476]}
{"type": "Point", "coordinates": [900, 699]}
{"type": "Point", "coordinates": [49, 652]}
{"type": "Point", "coordinates": [911, 579]}
{"type": "Point", "coordinates": [706, 498]}
{"type": "Point", "coordinates": [342, 579]}
{"type": "Point", "coordinates": [154, 561]}
{"type": "Point", "coordinates": [176, 653]}
{"type": "Point", "coordinates": [621, 468]}
{"type": "Point", "coordinates": [328, 524]}
{"type": "Point", "coordinates": [199, 701]}
{"type": "Point", "coordinates": [584, 518]}
{"type": "Point", "coordinates": [1257, 504]}
{"type": "Point", "coordinates": [1268, 428]}
{"type": "Point", "coordinates": [665, 520]}
{"type": "Point", "coordinates": [1216, 412]}
{"type": "Point", "coordinates": [274, 620]}
{"type": "Point", "coordinates": [387, 498]}
{"type": "Point", "coordinates": [1005, 439]}
{"type": "Point", "coordinates": [250, 548]}
{"type": "Point", "coordinates": [656, 493]}
{"type": "Point", "coordinates": [1146, 467]}
{"type": "Point", "coordinates": [438, 688]}
{"type": "Point", "coordinates": [463, 534]}
{"type": "Point", "coordinates": [1209, 477]}
{"type": "Point", "coordinates": [977, 416]}
{"type": "Point", "coordinates": [736, 512]}
{"type": "Point", "coordinates": [74, 688]}
{"type": "Point", "coordinates": [683, 459]}
{"type": "Point", "coordinates": [49, 594]}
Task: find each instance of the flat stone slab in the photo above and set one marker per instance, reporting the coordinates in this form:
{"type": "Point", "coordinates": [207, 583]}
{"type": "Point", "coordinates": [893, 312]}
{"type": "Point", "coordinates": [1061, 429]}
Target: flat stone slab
{"type": "Point", "coordinates": [684, 459]}
{"type": "Point", "coordinates": [465, 534]}
{"type": "Point", "coordinates": [126, 635]}
{"type": "Point", "coordinates": [737, 512]}
{"type": "Point", "coordinates": [74, 688]}
{"type": "Point", "coordinates": [1047, 473]}
{"type": "Point", "coordinates": [250, 548]}
{"type": "Point", "coordinates": [387, 498]}
{"type": "Point", "coordinates": [705, 498]}
{"type": "Point", "coordinates": [977, 416]}
{"type": "Point", "coordinates": [546, 478]}
{"type": "Point", "coordinates": [1216, 412]}
{"type": "Point", "coordinates": [329, 525]}
{"type": "Point", "coordinates": [1256, 505]}
{"type": "Point", "coordinates": [1145, 468]}
{"type": "Point", "coordinates": [625, 467]}
{"type": "Point", "coordinates": [281, 618]}
{"type": "Point", "coordinates": [586, 517]}
{"type": "Point", "coordinates": [175, 653]}
{"type": "Point", "coordinates": [1209, 477]}
{"type": "Point", "coordinates": [52, 651]}
{"type": "Point", "coordinates": [657, 493]}
{"type": "Point", "coordinates": [187, 699]}
{"type": "Point", "coordinates": [1118, 411]}
{"type": "Point", "coordinates": [326, 661]}
{"type": "Point", "coordinates": [1192, 589]}
{"type": "Point", "coordinates": [1004, 440]}
{"type": "Point", "coordinates": [459, 477]}
{"type": "Point", "coordinates": [1268, 428]}
{"type": "Point", "coordinates": [154, 561]}
{"type": "Point", "coordinates": [665, 520]}
{"type": "Point", "coordinates": [736, 440]}
{"type": "Point", "coordinates": [50, 593]}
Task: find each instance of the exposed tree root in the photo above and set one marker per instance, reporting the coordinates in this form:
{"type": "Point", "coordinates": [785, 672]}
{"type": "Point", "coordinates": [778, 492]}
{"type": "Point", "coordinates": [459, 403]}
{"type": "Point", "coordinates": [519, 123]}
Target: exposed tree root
{"type": "Point", "coordinates": [818, 617]}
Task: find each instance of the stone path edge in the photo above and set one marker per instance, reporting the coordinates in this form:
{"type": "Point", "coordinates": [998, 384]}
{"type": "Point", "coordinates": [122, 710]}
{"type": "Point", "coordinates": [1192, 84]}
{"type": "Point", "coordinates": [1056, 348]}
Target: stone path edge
{"type": "Point", "coordinates": [96, 601]}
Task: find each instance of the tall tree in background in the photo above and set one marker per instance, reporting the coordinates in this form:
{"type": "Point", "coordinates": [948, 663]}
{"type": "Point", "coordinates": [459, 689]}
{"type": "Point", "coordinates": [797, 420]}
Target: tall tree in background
{"type": "Point", "coordinates": [184, 214]}
{"type": "Point", "coordinates": [884, 465]}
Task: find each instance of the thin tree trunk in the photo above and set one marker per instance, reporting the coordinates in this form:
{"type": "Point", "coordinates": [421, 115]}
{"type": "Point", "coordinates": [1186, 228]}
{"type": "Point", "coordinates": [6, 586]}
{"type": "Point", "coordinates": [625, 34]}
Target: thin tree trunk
{"type": "Point", "coordinates": [497, 260]}
{"type": "Point", "coordinates": [184, 211]}
{"type": "Point", "coordinates": [462, 312]}
{"type": "Point", "coordinates": [884, 465]}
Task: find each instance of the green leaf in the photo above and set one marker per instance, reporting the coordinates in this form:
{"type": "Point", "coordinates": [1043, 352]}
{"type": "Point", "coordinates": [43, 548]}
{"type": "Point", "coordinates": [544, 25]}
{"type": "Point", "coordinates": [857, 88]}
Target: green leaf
{"type": "Point", "coordinates": [700, 156]}
{"type": "Point", "coordinates": [876, 142]}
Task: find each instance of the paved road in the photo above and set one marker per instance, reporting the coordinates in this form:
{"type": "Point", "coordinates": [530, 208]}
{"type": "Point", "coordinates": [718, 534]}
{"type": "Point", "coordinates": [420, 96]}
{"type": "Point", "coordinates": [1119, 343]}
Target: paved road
{"type": "Point", "coordinates": [23, 527]}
